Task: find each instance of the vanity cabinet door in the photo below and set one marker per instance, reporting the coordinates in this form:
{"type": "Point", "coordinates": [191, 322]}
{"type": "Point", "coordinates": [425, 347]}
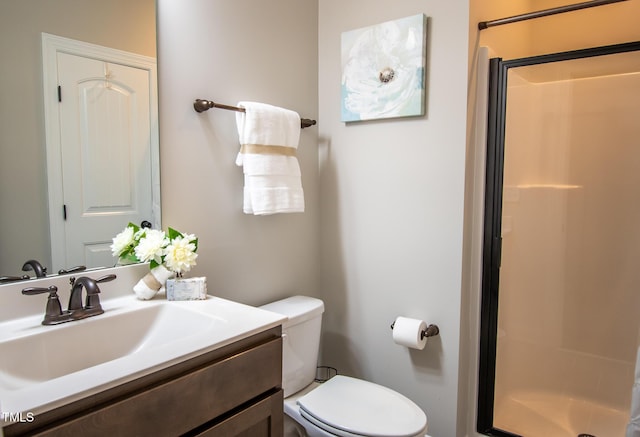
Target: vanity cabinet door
{"type": "Point", "coordinates": [262, 419]}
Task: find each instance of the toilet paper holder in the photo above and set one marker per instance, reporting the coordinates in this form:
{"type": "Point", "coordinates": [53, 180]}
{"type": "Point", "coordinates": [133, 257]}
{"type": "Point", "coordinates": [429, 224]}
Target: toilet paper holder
{"type": "Point", "coordinates": [432, 330]}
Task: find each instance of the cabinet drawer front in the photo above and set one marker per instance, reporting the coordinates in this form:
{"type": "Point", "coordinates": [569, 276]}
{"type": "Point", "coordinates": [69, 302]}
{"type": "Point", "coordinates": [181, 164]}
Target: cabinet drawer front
{"type": "Point", "coordinates": [262, 419]}
{"type": "Point", "coordinates": [177, 406]}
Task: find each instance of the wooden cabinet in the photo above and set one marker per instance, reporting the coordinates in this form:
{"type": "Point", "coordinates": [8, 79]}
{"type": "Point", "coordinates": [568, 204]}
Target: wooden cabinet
{"type": "Point", "coordinates": [232, 391]}
{"type": "Point", "coordinates": [262, 418]}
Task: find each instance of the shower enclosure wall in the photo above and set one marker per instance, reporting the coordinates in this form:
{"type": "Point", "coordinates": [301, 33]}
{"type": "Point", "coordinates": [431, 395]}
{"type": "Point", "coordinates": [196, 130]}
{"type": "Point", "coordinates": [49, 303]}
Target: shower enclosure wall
{"type": "Point", "coordinates": [563, 302]}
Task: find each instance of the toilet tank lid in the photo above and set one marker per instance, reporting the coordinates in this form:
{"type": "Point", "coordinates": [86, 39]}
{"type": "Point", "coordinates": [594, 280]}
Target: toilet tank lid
{"type": "Point", "coordinates": [297, 308]}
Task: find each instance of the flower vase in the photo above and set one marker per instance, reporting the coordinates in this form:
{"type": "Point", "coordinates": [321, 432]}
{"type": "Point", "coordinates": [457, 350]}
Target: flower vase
{"type": "Point", "coordinates": [152, 282]}
{"type": "Point", "coordinates": [187, 288]}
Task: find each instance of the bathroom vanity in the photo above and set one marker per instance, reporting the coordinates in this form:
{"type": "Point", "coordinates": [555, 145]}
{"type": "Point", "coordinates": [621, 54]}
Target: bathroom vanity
{"type": "Point", "coordinates": [206, 368]}
{"type": "Point", "coordinates": [231, 391]}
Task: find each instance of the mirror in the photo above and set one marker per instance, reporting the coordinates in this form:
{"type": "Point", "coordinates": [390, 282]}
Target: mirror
{"type": "Point", "coordinates": [24, 206]}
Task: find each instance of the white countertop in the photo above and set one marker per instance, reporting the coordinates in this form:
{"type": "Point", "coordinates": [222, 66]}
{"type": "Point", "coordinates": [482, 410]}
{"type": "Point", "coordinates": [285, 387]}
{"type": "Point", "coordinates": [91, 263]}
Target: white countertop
{"type": "Point", "coordinates": [226, 322]}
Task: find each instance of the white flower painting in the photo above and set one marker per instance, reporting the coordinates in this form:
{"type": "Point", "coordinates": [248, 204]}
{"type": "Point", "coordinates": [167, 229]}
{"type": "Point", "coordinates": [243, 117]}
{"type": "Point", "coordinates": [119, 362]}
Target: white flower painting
{"type": "Point", "coordinates": [383, 70]}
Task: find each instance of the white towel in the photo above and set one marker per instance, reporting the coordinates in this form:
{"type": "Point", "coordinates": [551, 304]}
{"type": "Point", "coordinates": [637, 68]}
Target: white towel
{"type": "Point", "coordinates": [269, 138]}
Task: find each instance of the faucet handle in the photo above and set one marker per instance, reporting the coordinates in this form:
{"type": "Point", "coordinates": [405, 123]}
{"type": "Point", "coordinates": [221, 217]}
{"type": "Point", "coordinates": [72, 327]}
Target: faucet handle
{"type": "Point", "coordinates": [106, 278]}
{"type": "Point", "coordinates": [72, 270]}
{"type": "Point", "coordinates": [91, 291]}
{"type": "Point", "coordinates": [92, 303]}
{"type": "Point", "coordinates": [30, 291]}
{"type": "Point", "coordinates": [4, 279]}
{"type": "Point", "coordinates": [53, 312]}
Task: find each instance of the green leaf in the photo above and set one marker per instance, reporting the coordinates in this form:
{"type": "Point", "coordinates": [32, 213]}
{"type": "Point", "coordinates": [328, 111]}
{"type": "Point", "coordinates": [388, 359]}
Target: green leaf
{"type": "Point", "coordinates": [173, 233]}
{"type": "Point", "coordinates": [153, 264]}
{"type": "Point", "coordinates": [135, 227]}
{"type": "Point", "coordinates": [130, 256]}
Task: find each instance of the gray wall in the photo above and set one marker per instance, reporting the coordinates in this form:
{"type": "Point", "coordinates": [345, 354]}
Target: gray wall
{"type": "Point", "coordinates": [228, 51]}
{"type": "Point", "coordinates": [392, 197]}
{"type": "Point", "coordinates": [383, 232]}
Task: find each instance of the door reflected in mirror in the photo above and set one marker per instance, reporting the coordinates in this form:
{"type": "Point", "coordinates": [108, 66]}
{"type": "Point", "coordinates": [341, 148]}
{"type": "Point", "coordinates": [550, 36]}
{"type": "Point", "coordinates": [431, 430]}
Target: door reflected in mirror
{"type": "Point", "coordinates": [25, 226]}
{"type": "Point", "coordinates": [101, 147]}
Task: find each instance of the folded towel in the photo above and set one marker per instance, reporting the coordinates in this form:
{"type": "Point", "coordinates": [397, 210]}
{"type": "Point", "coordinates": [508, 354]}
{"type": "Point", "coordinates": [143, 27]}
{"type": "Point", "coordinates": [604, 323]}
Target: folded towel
{"type": "Point", "coordinates": [269, 138]}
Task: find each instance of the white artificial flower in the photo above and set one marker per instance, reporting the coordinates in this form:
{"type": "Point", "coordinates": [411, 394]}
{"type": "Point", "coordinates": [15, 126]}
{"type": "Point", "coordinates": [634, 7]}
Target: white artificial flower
{"type": "Point", "coordinates": [190, 237]}
{"type": "Point", "coordinates": [151, 246]}
{"type": "Point", "coordinates": [140, 234]}
{"type": "Point", "coordinates": [122, 241]}
{"type": "Point", "coordinates": [180, 255]}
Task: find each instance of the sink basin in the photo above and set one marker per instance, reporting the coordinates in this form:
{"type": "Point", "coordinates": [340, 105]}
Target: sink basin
{"type": "Point", "coordinates": [75, 346]}
{"type": "Point", "coordinates": [46, 367]}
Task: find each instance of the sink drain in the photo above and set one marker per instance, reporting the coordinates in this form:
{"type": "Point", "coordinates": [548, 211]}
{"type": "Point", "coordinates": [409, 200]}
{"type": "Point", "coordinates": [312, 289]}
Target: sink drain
{"type": "Point", "coordinates": [586, 435]}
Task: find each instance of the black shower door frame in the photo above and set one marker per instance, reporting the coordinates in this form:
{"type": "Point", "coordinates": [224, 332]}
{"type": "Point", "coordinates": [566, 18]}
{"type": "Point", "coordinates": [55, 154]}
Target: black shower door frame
{"type": "Point", "coordinates": [492, 240]}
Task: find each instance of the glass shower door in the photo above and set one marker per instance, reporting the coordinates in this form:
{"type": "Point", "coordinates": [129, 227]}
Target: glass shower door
{"type": "Point", "coordinates": [565, 318]}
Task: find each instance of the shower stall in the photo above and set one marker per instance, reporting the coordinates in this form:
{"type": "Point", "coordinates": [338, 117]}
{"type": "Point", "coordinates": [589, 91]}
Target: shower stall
{"type": "Point", "coordinates": [560, 325]}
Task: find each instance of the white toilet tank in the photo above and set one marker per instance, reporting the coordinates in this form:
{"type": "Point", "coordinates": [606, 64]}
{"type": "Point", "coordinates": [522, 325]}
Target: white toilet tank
{"type": "Point", "coordinates": [301, 340]}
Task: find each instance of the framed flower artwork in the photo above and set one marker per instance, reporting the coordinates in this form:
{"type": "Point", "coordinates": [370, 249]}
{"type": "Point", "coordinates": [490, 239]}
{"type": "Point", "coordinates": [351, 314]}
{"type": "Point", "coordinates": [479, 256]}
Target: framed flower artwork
{"type": "Point", "coordinates": [383, 70]}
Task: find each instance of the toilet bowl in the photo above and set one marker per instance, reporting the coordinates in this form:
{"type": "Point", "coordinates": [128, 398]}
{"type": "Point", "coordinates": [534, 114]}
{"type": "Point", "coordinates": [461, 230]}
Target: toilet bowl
{"type": "Point", "coordinates": [342, 406]}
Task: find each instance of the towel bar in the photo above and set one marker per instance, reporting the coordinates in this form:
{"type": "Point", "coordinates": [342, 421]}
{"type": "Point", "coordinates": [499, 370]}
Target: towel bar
{"type": "Point", "coordinates": [201, 105]}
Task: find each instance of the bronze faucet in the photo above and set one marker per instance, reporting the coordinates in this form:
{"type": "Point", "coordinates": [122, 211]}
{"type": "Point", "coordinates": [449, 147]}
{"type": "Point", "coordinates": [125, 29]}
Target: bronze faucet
{"type": "Point", "coordinates": [75, 311]}
{"type": "Point", "coordinates": [37, 268]}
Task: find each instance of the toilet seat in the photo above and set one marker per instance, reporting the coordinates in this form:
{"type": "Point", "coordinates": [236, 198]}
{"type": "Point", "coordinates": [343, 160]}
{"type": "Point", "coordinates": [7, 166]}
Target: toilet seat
{"type": "Point", "coordinates": [349, 407]}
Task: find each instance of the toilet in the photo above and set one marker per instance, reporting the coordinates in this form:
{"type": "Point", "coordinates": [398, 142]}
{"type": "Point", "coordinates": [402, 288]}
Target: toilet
{"type": "Point", "coordinates": [342, 406]}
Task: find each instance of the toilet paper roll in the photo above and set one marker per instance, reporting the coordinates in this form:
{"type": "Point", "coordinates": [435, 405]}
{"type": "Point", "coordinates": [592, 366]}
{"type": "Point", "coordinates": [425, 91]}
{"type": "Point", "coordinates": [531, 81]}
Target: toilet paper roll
{"type": "Point", "coordinates": [408, 332]}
